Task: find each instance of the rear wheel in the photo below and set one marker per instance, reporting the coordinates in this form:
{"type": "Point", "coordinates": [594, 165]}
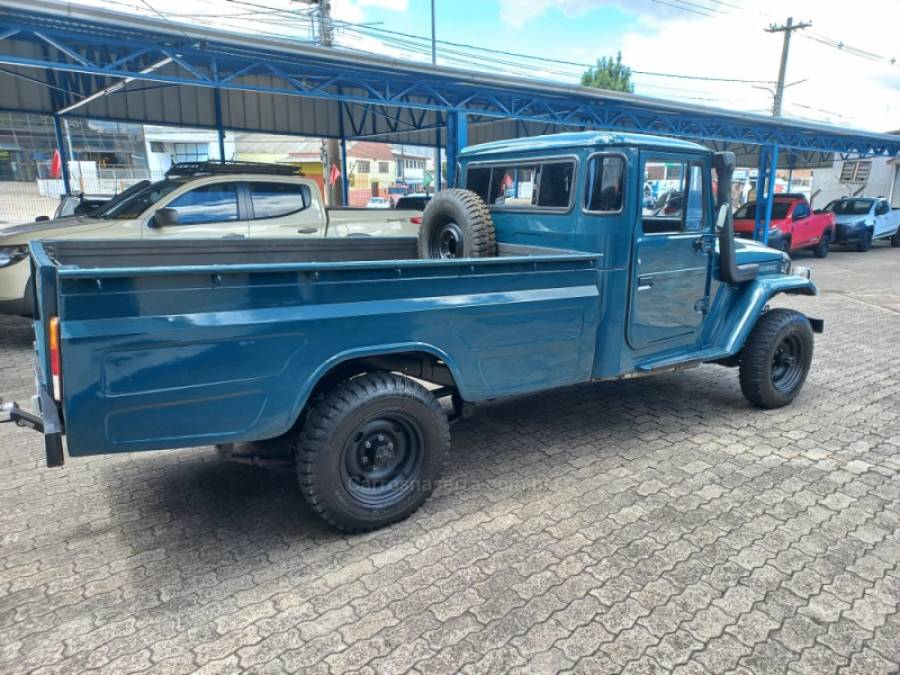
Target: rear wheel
{"type": "Point", "coordinates": [821, 249]}
{"type": "Point", "coordinates": [371, 451]}
{"type": "Point", "coordinates": [457, 224]}
{"type": "Point", "coordinates": [776, 359]}
{"type": "Point", "coordinates": [865, 242]}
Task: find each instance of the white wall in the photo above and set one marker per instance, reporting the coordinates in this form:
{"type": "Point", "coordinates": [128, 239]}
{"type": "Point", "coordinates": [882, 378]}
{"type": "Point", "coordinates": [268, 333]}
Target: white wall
{"type": "Point", "coordinates": [881, 180]}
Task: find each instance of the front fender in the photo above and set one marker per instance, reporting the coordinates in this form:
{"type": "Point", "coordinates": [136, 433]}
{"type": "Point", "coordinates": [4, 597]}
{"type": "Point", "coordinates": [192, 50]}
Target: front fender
{"type": "Point", "coordinates": [747, 303]}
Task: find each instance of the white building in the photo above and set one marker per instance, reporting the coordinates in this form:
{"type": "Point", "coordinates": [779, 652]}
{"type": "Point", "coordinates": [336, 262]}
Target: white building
{"type": "Point", "coordinates": [858, 176]}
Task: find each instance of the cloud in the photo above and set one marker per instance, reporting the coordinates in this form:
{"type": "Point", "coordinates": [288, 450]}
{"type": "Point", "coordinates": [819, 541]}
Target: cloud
{"type": "Point", "coordinates": [392, 5]}
{"type": "Point", "coordinates": [517, 13]}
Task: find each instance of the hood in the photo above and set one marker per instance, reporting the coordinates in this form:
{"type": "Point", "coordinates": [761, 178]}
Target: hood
{"type": "Point", "coordinates": [748, 251]}
{"type": "Point", "coordinates": [50, 229]}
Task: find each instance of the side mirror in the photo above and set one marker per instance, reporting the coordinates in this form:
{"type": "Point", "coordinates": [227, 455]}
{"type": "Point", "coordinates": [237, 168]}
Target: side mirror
{"type": "Point", "coordinates": [164, 217]}
{"type": "Point", "coordinates": [721, 218]}
{"type": "Point", "coordinates": [731, 272]}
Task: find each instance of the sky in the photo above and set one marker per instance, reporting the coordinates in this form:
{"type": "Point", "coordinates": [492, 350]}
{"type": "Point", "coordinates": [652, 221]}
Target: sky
{"type": "Point", "coordinates": [702, 39]}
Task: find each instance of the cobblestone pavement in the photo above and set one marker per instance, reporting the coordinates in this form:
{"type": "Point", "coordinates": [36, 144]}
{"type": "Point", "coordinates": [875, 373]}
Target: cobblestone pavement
{"type": "Point", "coordinates": [645, 526]}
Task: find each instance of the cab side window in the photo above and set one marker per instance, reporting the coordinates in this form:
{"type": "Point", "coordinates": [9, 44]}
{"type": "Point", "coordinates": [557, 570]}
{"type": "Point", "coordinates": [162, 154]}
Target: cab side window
{"type": "Point", "coordinates": [273, 200]}
{"type": "Point", "coordinates": [801, 211]}
{"type": "Point", "coordinates": [606, 184]}
{"type": "Point", "coordinates": [696, 199]}
{"type": "Point", "coordinates": [214, 203]}
{"type": "Point", "coordinates": [664, 196]}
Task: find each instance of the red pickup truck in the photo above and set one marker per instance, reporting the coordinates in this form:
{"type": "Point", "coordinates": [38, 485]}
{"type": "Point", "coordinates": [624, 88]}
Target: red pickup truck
{"type": "Point", "coordinates": [794, 225]}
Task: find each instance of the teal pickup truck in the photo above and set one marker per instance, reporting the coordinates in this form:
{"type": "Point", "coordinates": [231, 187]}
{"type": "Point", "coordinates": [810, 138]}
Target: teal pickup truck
{"type": "Point", "coordinates": [544, 267]}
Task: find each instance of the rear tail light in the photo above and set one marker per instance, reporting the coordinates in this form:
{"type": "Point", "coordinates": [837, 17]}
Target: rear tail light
{"type": "Point", "coordinates": [55, 360]}
{"type": "Point", "coordinates": [416, 220]}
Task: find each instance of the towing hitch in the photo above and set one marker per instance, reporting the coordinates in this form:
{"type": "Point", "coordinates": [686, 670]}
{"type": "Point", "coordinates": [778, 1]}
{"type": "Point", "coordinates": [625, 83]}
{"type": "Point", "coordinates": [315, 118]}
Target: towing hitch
{"type": "Point", "coordinates": [11, 412]}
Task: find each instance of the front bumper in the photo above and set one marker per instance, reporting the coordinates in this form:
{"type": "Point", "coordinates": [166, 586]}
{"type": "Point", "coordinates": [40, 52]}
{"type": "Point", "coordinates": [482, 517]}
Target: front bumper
{"type": "Point", "coordinates": [849, 233]}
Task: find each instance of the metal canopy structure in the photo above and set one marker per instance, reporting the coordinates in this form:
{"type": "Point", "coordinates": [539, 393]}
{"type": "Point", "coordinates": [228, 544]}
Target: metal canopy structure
{"type": "Point", "coordinates": [59, 58]}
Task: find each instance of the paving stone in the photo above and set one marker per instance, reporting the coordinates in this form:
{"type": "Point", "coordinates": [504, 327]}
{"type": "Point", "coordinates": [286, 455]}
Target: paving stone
{"type": "Point", "coordinates": [642, 526]}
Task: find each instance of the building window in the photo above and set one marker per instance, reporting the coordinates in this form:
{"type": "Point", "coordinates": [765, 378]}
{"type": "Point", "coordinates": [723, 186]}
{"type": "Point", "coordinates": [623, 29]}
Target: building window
{"type": "Point", "coordinates": [383, 167]}
{"type": "Point", "coordinates": [190, 152]}
{"type": "Point", "coordinates": [856, 171]}
{"type": "Point", "coordinates": [362, 166]}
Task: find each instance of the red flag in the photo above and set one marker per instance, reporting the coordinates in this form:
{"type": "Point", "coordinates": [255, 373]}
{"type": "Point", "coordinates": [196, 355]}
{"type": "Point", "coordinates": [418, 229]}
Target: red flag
{"type": "Point", "coordinates": [334, 175]}
{"type": "Point", "coordinates": [55, 165]}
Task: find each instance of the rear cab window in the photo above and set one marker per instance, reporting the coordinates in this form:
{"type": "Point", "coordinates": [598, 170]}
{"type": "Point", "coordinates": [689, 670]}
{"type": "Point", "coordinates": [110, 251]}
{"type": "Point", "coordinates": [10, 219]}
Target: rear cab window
{"type": "Point", "coordinates": [545, 184]}
{"type": "Point", "coordinates": [277, 199]}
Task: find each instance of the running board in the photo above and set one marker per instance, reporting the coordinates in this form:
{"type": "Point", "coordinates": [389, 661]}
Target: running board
{"type": "Point", "coordinates": [681, 360]}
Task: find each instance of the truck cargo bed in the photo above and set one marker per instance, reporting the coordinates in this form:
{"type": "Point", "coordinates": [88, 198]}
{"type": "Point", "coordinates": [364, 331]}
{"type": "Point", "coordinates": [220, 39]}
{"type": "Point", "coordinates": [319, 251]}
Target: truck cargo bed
{"type": "Point", "coordinates": [199, 252]}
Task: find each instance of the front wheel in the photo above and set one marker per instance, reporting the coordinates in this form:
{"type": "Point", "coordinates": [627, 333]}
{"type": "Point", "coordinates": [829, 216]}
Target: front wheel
{"type": "Point", "coordinates": [895, 239]}
{"type": "Point", "coordinates": [865, 242]}
{"type": "Point", "coordinates": [775, 360]}
{"type": "Point", "coordinates": [821, 249]}
{"type": "Point", "coordinates": [371, 451]}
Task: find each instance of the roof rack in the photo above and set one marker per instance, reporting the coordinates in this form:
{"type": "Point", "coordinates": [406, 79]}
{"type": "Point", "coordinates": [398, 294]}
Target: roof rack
{"type": "Point", "coordinates": [181, 169]}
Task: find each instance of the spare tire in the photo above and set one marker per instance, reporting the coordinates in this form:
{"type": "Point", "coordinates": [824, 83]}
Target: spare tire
{"type": "Point", "coordinates": [457, 224]}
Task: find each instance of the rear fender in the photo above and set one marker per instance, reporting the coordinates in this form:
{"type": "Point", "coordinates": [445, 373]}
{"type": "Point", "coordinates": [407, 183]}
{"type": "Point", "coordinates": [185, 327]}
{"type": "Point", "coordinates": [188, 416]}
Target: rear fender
{"type": "Point", "coordinates": [749, 303]}
{"type": "Point", "coordinates": [368, 352]}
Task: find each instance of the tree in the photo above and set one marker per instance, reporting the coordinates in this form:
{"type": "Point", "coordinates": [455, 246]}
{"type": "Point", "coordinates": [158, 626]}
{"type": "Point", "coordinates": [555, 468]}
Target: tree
{"type": "Point", "coordinates": [609, 74]}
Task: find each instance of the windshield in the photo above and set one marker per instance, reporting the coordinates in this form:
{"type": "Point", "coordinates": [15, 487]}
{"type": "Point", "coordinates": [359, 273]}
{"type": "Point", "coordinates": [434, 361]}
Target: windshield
{"type": "Point", "coordinates": [748, 211]}
{"type": "Point", "coordinates": [132, 203]}
{"type": "Point", "coordinates": [850, 207]}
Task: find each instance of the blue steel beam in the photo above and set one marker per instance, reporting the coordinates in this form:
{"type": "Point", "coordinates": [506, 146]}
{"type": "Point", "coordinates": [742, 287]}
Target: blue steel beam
{"type": "Point", "coordinates": [760, 192]}
{"type": "Point", "coordinates": [770, 194]}
{"type": "Point", "coordinates": [94, 53]}
{"type": "Point", "coordinates": [457, 139]}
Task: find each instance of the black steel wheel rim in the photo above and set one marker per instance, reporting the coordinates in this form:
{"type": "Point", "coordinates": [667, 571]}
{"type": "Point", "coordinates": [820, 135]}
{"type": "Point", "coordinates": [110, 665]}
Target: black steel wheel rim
{"type": "Point", "coordinates": [447, 241]}
{"type": "Point", "coordinates": [787, 364]}
{"type": "Point", "coordinates": [382, 459]}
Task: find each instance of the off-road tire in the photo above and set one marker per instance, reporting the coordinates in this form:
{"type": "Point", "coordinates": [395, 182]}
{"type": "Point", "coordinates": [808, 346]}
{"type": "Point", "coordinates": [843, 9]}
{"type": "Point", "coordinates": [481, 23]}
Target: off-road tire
{"type": "Point", "coordinates": [758, 371]}
{"type": "Point", "coordinates": [865, 243]}
{"type": "Point", "coordinates": [457, 224]}
{"type": "Point", "coordinates": [895, 239]}
{"type": "Point", "coordinates": [332, 437]}
{"type": "Point", "coordinates": [821, 249]}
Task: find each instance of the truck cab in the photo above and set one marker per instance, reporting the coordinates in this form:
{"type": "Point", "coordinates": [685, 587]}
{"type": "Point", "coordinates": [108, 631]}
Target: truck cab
{"type": "Point", "coordinates": [646, 204]}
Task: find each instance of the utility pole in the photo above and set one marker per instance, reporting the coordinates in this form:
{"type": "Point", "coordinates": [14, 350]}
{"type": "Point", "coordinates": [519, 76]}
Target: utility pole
{"type": "Point", "coordinates": [436, 173]}
{"type": "Point", "coordinates": [788, 28]}
{"type": "Point", "coordinates": [332, 150]}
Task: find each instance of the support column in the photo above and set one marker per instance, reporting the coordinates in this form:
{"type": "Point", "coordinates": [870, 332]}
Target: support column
{"type": "Point", "coordinates": [760, 191]}
{"type": "Point", "coordinates": [63, 154]}
{"type": "Point", "coordinates": [345, 179]}
{"type": "Point", "coordinates": [770, 195]}
{"type": "Point", "coordinates": [220, 129]}
{"type": "Point", "coordinates": [438, 177]}
{"type": "Point", "coordinates": [457, 139]}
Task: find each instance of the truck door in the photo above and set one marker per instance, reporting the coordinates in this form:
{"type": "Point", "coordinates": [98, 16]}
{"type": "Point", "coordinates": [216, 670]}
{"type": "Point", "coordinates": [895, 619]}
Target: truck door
{"type": "Point", "coordinates": [673, 246]}
{"type": "Point", "coordinates": [206, 211]}
{"type": "Point", "coordinates": [883, 221]}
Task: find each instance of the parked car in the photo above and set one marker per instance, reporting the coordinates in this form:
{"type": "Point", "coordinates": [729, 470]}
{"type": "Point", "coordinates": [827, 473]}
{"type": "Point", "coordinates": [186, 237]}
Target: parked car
{"type": "Point", "coordinates": [378, 203]}
{"type": "Point", "coordinates": [321, 350]}
{"type": "Point", "coordinates": [413, 201]}
{"type": "Point", "coordinates": [78, 204]}
{"type": "Point", "coordinates": [794, 225]}
{"type": "Point", "coordinates": [860, 220]}
{"type": "Point", "coordinates": [199, 200]}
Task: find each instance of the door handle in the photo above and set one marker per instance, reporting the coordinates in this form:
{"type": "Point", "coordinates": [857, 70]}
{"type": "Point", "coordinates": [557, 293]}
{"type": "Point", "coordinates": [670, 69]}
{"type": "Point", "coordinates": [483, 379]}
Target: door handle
{"type": "Point", "coordinates": [703, 244]}
{"type": "Point", "coordinates": [307, 230]}
{"type": "Point", "coordinates": [645, 283]}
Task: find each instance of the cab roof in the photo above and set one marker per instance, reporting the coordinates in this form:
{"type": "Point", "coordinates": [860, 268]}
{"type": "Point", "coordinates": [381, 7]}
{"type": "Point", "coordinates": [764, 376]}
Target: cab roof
{"type": "Point", "coordinates": [577, 140]}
